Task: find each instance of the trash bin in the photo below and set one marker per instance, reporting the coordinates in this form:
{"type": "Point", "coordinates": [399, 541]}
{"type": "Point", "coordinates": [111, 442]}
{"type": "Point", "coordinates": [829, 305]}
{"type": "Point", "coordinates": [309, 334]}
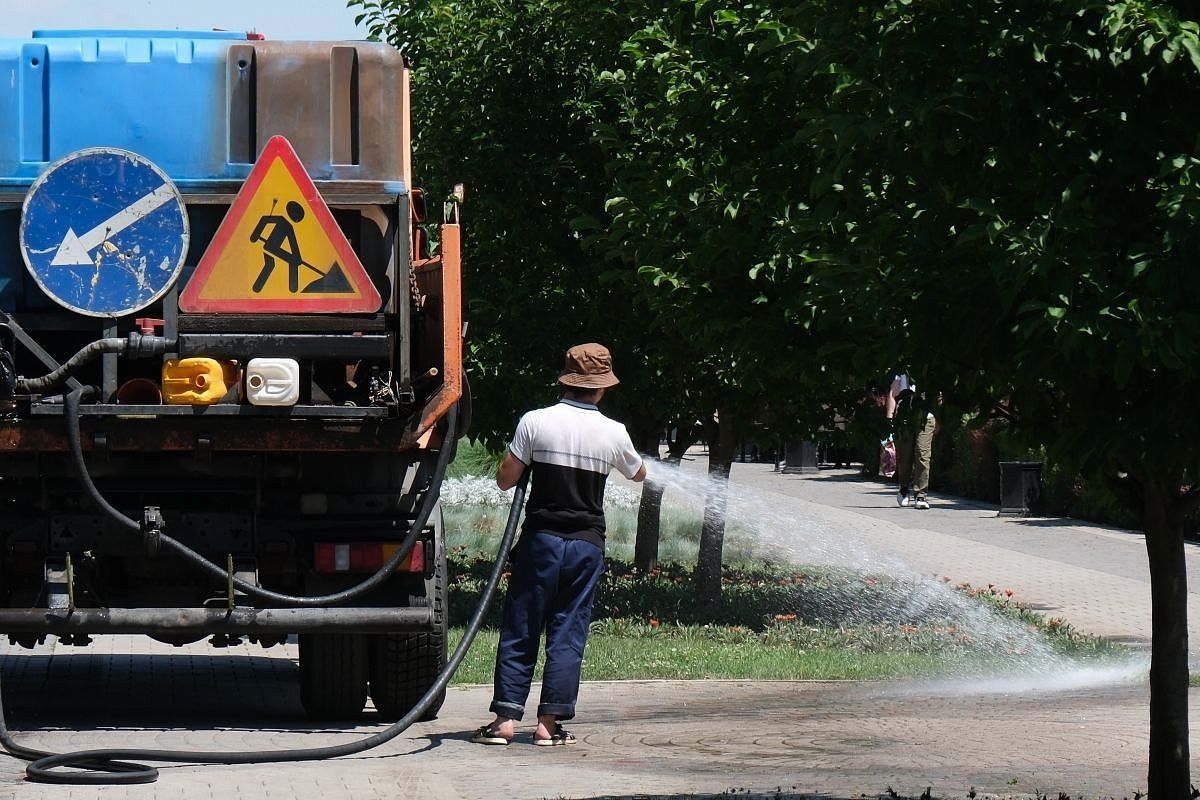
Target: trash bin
{"type": "Point", "coordinates": [1020, 487]}
{"type": "Point", "coordinates": [800, 457]}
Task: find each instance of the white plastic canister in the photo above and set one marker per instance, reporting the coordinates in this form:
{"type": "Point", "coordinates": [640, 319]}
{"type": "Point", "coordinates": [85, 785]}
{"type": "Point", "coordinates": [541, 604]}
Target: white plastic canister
{"type": "Point", "coordinates": [273, 381]}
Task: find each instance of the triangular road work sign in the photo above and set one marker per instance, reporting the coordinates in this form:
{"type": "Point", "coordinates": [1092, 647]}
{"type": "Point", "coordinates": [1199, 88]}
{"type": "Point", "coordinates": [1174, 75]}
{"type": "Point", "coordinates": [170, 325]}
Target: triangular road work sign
{"type": "Point", "coordinates": [279, 249]}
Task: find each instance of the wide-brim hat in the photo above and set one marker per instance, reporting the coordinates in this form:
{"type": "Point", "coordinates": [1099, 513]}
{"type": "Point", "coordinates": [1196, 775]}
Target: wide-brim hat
{"type": "Point", "coordinates": [588, 366]}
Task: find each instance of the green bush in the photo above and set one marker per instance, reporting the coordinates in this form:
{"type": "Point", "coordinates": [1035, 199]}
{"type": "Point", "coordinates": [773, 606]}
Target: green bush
{"type": "Point", "coordinates": [965, 459]}
{"type": "Point", "coordinates": [473, 458]}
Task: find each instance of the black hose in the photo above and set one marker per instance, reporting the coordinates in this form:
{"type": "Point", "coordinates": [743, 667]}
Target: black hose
{"type": "Point", "coordinates": [71, 409]}
{"type": "Point", "coordinates": [109, 767]}
{"type": "Point", "coordinates": [135, 346]}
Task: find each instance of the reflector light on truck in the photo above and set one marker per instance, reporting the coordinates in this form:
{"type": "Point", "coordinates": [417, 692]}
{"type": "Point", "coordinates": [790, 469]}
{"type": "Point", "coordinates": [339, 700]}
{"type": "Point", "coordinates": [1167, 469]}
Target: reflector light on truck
{"type": "Point", "coordinates": [364, 557]}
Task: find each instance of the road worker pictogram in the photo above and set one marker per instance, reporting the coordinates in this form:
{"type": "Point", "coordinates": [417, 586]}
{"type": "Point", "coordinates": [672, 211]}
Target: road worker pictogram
{"type": "Point", "coordinates": [279, 249]}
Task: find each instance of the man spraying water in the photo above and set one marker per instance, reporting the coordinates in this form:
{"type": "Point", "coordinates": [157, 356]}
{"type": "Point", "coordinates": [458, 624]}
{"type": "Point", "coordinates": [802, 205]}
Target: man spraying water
{"type": "Point", "coordinates": [571, 448]}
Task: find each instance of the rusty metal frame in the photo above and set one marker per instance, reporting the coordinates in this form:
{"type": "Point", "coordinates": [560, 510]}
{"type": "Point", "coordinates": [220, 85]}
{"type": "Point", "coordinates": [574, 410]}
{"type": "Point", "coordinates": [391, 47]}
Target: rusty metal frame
{"type": "Point", "coordinates": [279, 434]}
{"type": "Point", "coordinates": [443, 273]}
{"type": "Point", "coordinates": [215, 620]}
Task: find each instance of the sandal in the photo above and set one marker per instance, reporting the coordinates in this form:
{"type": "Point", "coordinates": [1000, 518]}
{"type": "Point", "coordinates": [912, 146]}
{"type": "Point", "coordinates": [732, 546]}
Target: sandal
{"type": "Point", "coordinates": [486, 735]}
{"type": "Point", "coordinates": [560, 736]}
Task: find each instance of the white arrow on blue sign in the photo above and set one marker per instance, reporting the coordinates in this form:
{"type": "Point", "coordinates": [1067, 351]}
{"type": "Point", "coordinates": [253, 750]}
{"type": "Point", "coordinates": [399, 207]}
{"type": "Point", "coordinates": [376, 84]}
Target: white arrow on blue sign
{"type": "Point", "coordinates": [104, 232]}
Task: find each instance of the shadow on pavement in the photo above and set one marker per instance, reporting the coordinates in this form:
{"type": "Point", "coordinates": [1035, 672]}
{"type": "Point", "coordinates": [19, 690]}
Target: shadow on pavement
{"type": "Point", "coordinates": [86, 690]}
{"type": "Point", "coordinates": [738, 794]}
{"type": "Point", "coordinates": [1068, 522]}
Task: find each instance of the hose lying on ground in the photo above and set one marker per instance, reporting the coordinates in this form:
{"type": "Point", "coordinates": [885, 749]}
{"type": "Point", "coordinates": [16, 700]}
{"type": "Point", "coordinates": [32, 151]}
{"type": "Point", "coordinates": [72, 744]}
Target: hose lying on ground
{"type": "Point", "coordinates": [110, 766]}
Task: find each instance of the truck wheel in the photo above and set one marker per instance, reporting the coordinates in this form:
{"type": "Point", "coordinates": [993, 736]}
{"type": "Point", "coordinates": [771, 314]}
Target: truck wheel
{"type": "Point", "coordinates": [333, 675]}
{"type": "Point", "coordinates": [404, 665]}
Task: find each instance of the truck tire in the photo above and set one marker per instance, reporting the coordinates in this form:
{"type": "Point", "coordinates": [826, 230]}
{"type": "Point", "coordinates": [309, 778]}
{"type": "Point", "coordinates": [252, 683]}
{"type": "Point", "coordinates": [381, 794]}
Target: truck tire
{"type": "Point", "coordinates": [333, 675]}
{"type": "Point", "coordinates": [404, 665]}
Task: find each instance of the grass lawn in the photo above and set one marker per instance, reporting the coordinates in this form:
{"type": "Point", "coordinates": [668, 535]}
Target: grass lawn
{"type": "Point", "coordinates": [615, 657]}
{"type": "Point", "coordinates": [778, 620]}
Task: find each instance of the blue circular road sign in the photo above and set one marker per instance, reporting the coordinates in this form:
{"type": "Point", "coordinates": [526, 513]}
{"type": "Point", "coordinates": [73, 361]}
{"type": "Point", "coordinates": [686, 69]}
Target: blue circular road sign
{"type": "Point", "coordinates": [104, 232]}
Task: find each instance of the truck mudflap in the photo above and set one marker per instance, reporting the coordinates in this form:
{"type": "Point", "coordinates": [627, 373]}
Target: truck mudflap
{"type": "Point", "coordinates": [205, 621]}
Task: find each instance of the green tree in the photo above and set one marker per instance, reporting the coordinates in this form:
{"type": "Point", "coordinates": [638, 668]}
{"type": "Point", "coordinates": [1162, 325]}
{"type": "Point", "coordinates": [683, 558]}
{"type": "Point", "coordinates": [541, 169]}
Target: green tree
{"type": "Point", "coordinates": [707, 173]}
{"type": "Point", "coordinates": [499, 103]}
{"type": "Point", "coordinates": [505, 102]}
{"type": "Point", "coordinates": [1018, 182]}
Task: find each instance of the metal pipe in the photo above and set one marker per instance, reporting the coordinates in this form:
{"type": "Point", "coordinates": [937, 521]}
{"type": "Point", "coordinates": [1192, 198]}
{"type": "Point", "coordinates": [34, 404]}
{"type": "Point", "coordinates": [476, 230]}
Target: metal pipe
{"type": "Point", "coordinates": [135, 346]}
{"type": "Point", "coordinates": [216, 620]}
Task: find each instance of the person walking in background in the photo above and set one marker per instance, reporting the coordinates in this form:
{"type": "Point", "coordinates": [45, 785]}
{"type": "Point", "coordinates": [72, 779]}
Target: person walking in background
{"type": "Point", "coordinates": [571, 448]}
{"type": "Point", "coordinates": [913, 421]}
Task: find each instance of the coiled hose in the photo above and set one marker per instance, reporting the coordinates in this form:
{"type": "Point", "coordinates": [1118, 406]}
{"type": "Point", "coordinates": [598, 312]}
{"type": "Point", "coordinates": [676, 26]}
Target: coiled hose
{"type": "Point", "coordinates": [110, 766]}
{"type": "Point", "coordinates": [71, 409]}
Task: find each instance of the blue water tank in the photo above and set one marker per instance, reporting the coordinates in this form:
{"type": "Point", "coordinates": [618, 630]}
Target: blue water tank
{"type": "Point", "coordinates": [200, 106]}
{"type": "Point", "coordinates": [158, 93]}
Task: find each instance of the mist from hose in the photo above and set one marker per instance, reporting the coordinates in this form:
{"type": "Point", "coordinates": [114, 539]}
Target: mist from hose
{"type": "Point", "coordinates": [882, 592]}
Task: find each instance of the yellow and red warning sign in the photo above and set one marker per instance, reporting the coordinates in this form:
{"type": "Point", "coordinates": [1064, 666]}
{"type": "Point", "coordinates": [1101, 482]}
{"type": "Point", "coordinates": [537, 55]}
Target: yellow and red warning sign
{"type": "Point", "coordinates": [279, 249]}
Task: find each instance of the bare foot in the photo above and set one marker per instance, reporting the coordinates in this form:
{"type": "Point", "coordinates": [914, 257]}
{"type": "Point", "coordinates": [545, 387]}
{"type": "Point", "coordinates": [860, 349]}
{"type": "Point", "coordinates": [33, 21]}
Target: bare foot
{"type": "Point", "coordinates": [499, 731]}
{"type": "Point", "coordinates": [546, 727]}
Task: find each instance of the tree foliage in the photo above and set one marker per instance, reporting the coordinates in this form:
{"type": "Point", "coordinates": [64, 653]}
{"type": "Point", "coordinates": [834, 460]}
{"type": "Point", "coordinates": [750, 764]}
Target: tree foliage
{"type": "Point", "coordinates": [498, 89]}
{"type": "Point", "coordinates": [764, 204]}
{"type": "Point", "coordinates": [1016, 183]}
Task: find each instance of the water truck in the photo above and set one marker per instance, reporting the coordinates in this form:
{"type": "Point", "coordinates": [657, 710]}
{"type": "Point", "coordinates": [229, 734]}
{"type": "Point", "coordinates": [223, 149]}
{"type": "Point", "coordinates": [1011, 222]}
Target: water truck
{"type": "Point", "coordinates": [230, 367]}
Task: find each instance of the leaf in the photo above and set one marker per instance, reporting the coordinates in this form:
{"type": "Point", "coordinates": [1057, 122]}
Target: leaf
{"type": "Point", "coordinates": [1191, 43]}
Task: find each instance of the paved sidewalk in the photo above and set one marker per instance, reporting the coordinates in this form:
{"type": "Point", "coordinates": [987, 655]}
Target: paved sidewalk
{"type": "Point", "coordinates": [843, 740]}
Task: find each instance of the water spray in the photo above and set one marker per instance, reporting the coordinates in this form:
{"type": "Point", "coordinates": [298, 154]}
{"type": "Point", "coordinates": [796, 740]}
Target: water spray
{"type": "Point", "coordinates": [1019, 659]}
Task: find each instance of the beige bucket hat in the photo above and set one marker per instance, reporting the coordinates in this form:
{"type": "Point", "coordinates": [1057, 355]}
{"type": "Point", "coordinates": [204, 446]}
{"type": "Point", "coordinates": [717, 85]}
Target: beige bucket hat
{"type": "Point", "coordinates": [588, 366]}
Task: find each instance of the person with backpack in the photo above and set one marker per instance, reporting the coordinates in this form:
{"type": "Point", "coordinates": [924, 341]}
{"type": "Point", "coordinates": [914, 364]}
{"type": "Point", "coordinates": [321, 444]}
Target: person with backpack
{"type": "Point", "coordinates": [914, 424]}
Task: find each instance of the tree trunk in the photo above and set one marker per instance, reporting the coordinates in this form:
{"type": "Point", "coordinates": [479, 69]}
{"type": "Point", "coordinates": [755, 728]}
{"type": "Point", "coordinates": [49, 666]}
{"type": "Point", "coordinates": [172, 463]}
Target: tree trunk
{"type": "Point", "coordinates": [645, 542]}
{"type": "Point", "coordinates": [649, 525]}
{"type": "Point", "coordinates": [721, 445]}
{"type": "Point", "coordinates": [1169, 757]}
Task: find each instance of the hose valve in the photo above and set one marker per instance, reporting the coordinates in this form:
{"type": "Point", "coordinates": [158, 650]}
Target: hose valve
{"type": "Point", "coordinates": [152, 528]}
{"type": "Point", "coordinates": [142, 346]}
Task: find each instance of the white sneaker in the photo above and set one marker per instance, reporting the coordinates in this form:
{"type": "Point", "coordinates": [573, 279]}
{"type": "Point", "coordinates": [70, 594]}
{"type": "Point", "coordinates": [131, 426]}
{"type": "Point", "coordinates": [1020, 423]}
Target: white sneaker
{"type": "Point", "coordinates": [902, 499]}
{"type": "Point", "coordinates": [922, 503]}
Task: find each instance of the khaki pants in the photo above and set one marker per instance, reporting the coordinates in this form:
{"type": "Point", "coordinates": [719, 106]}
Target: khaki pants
{"type": "Point", "coordinates": [914, 454]}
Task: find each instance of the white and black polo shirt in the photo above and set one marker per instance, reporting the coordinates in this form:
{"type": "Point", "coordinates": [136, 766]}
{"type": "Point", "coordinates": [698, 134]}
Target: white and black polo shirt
{"type": "Point", "coordinates": [571, 447]}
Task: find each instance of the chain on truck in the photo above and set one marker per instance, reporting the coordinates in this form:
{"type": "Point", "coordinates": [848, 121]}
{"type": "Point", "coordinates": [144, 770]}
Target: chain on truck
{"type": "Point", "coordinates": [229, 367]}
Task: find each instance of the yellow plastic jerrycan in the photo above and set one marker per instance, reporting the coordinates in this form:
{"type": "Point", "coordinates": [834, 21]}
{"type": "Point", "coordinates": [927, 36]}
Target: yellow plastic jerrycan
{"type": "Point", "coordinates": [197, 381]}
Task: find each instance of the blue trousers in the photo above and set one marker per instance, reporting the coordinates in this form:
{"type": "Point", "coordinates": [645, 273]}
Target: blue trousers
{"type": "Point", "coordinates": [550, 589]}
